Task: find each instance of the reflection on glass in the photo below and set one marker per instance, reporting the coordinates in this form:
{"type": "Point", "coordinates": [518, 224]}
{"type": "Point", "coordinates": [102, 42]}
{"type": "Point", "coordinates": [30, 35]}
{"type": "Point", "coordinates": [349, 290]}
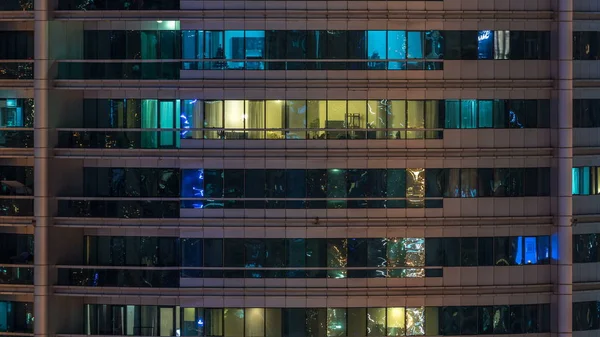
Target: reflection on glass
{"type": "Point", "coordinates": [415, 187]}
{"type": "Point", "coordinates": [376, 322]}
{"type": "Point", "coordinates": [255, 322]}
{"type": "Point", "coordinates": [336, 322]}
{"type": "Point", "coordinates": [415, 321]}
{"type": "Point", "coordinates": [337, 257]}
{"type": "Point", "coordinates": [395, 321]}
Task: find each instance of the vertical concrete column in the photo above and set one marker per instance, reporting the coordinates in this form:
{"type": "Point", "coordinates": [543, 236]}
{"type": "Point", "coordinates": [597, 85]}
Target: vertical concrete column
{"type": "Point", "coordinates": [564, 158]}
{"type": "Point", "coordinates": [42, 154]}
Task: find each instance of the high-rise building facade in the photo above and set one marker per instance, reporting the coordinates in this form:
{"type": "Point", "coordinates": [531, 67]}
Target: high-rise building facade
{"type": "Point", "coordinates": [273, 168]}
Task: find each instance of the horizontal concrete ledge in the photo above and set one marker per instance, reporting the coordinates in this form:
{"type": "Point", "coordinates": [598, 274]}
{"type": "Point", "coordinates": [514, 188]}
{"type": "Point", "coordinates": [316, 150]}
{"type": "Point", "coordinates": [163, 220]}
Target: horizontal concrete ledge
{"type": "Point", "coordinates": [316, 153]}
{"type": "Point", "coordinates": [15, 289]}
{"type": "Point", "coordinates": [242, 83]}
{"type": "Point", "coordinates": [16, 15]}
{"type": "Point", "coordinates": [313, 10]}
{"type": "Point", "coordinates": [586, 286]}
{"type": "Point", "coordinates": [183, 223]}
{"type": "Point", "coordinates": [285, 291]}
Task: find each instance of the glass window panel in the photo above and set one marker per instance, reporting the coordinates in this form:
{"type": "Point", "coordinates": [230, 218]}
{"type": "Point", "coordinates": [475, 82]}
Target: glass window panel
{"type": "Point", "coordinates": [275, 119]}
{"type": "Point", "coordinates": [415, 187]}
{"type": "Point", "coordinates": [273, 326]}
{"type": "Point", "coordinates": [415, 45]}
{"type": "Point", "coordinates": [255, 257]}
{"type": "Point", "coordinates": [297, 256]}
{"type": "Point", "coordinates": [452, 183]}
{"type": "Point", "coordinates": [167, 321]}
{"type": "Point", "coordinates": [435, 182]}
{"type": "Point", "coordinates": [255, 322]}
{"type": "Point", "coordinates": [316, 256]}
{"type": "Point", "coordinates": [516, 319]}
{"type": "Point", "coordinates": [189, 322]}
{"type": "Point", "coordinates": [376, 48]}
{"type": "Point", "coordinates": [485, 44]}
{"type": "Point", "coordinates": [376, 322]}
{"type": "Point", "coordinates": [357, 256]}
{"type": "Point", "coordinates": [415, 119]}
{"type": "Point", "coordinates": [486, 114]}
{"type": "Point", "coordinates": [377, 256]}
{"type": "Point", "coordinates": [337, 257]}
{"type": "Point", "coordinates": [397, 119]}
{"type": "Point", "coordinates": [357, 322]}
{"type": "Point", "coordinates": [468, 183]}
{"type": "Point", "coordinates": [357, 49]}
{"type": "Point", "coordinates": [395, 321]}
{"type": "Point", "coordinates": [337, 44]}
{"type": "Point", "coordinates": [316, 45]}
{"type": "Point", "coordinates": [314, 322]}
{"type": "Point", "coordinates": [275, 256]}
{"type": "Point", "coordinates": [485, 251]}
{"type": "Point", "coordinates": [336, 322]}
{"type": "Point", "coordinates": [233, 322]}
{"type": "Point", "coordinates": [468, 252]}
{"type": "Point", "coordinates": [396, 183]}
{"type": "Point", "coordinates": [255, 118]}
{"type": "Point", "coordinates": [234, 119]}
{"type": "Point", "coordinates": [468, 325]}
{"type": "Point", "coordinates": [234, 48]}
{"type": "Point", "coordinates": [453, 45]}
{"type": "Point", "coordinates": [213, 118]}
{"type": "Point", "coordinates": [336, 119]}
{"type": "Point", "coordinates": [336, 188]}
{"type": "Point", "coordinates": [468, 113]}
{"type": "Point", "coordinates": [296, 119]}
{"type": "Point", "coordinates": [296, 49]}
{"type": "Point", "coordinates": [396, 49]}
{"type": "Point", "coordinates": [452, 252]}
{"type": "Point", "coordinates": [502, 251]}
{"type": "Point", "coordinates": [415, 321]}
{"type": "Point", "coordinates": [233, 183]}
{"type": "Point", "coordinates": [501, 44]}
{"type": "Point", "coordinates": [432, 318]}
{"type": "Point", "coordinates": [316, 184]}
{"type": "Point", "coordinates": [377, 118]}
{"type": "Point", "coordinates": [450, 321]}
{"type": "Point", "coordinates": [294, 187]}
{"type": "Point", "coordinates": [294, 324]}
{"type": "Point", "coordinates": [453, 119]}
{"type": "Point", "coordinates": [254, 49]}
{"type": "Point", "coordinates": [213, 322]}
{"type": "Point", "coordinates": [486, 320]}
{"type": "Point", "coordinates": [357, 119]}
{"type": "Point", "coordinates": [469, 44]}
{"type": "Point", "coordinates": [255, 181]}
{"type": "Point", "coordinates": [214, 50]}
{"type": "Point", "coordinates": [434, 251]}
{"type": "Point", "coordinates": [148, 321]}
{"type": "Point", "coordinates": [501, 319]}
{"type": "Point", "coordinates": [316, 118]}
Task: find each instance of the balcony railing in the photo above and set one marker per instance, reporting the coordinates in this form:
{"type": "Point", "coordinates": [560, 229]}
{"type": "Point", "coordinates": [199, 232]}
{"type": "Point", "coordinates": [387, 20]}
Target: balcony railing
{"type": "Point", "coordinates": [166, 277]}
{"type": "Point", "coordinates": [16, 274]}
{"type": "Point", "coordinates": [16, 205]}
{"type": "Point", "coordinates": [136, 209]}
{"type": "Point", "coordinates": [169, 69]}
{"type": "Point", "coordinates": [170, 138]}
{"type": "Point", "coordinates": [169, 277]}
{"type": "Point", "coordinates": [91, 5]}
{"type": "Point", "coordinates": [16, 70]}
{"type": "Point", "coordinates": [16, 137]}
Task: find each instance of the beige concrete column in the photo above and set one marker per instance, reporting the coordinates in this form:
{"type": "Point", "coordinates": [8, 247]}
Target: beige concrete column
{"type": "Point", "coordinates": [564, 159]}
{"type": "Point", "coordinates": [43, 220]}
